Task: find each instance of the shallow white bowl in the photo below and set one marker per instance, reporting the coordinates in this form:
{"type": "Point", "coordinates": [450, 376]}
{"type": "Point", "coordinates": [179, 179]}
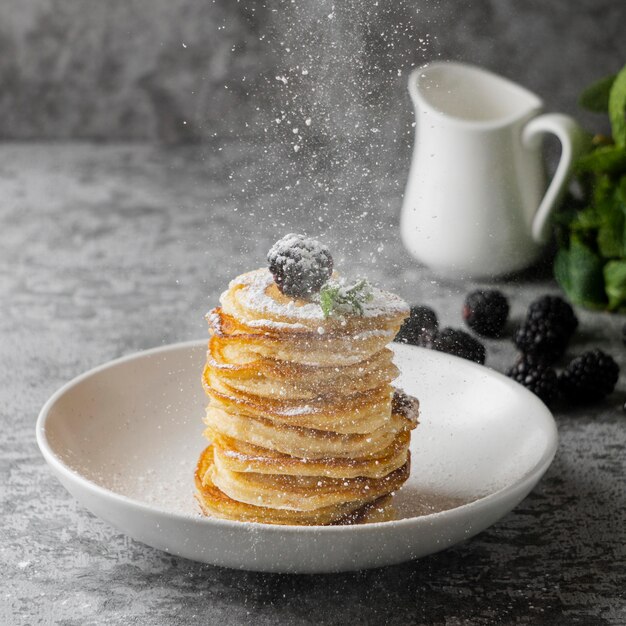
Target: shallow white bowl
{"type": "Point", "coordinates": [124, 439]}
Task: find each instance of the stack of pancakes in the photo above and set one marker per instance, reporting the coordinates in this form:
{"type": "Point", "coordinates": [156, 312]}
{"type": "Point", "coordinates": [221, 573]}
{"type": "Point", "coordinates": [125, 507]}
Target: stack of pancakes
{"type": "Point", "coordinates": [304, 425]}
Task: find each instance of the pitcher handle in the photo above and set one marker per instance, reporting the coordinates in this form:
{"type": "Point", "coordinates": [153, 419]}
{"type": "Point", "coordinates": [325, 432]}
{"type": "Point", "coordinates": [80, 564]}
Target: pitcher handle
{"type": "Point", "coordinates": [574, 142]}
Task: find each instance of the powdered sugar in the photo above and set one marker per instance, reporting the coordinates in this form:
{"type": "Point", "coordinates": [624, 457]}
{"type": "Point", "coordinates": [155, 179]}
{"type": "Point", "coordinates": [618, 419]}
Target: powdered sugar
{"type": "Point", "coordinates": [254, 296]}
{"type": "Point", "coordinates": [298, 410]}
{"type": "Point", "coordinates": [211, 362]}
{"type": "Point", "coordinates": [233, 454]}
{"type": "Point", "coordinates": [262, 323]}
{"type": "Point", "coordinates": [213, 318]}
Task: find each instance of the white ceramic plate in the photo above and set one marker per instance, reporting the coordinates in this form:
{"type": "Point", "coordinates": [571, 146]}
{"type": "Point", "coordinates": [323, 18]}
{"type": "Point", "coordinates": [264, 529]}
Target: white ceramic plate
{"type": "Point", "coordinates": [124, 439]}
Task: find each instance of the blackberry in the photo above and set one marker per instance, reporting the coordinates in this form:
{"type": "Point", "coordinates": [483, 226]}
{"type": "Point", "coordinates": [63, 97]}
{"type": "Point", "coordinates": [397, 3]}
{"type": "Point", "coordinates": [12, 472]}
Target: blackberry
{"type": "Point", "coordinates": [590, 376]}
{"type": "Point", "coordinates": [537, 377]}
{"type": "Point", "coordinates": [404, 404]}
{"type": "Point", "coordinates": [420, 328]}
{"type": "Point", "coordinates": [486, 312]}
{"type": "Point", "coordinates": [556, 310]}
{"type": "Point", "coordinates": [459, 343]}
{"type": "Point", "coordinates": [300, 265]}
{"type": "Point", "coordinates": [541, 340]}
{"type": "Point", "coordinates": [547, 329]}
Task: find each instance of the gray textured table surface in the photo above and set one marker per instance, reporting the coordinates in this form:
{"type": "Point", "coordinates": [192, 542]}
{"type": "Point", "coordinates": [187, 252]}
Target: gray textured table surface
{"type": "Point", "coordinates": [110, 249]}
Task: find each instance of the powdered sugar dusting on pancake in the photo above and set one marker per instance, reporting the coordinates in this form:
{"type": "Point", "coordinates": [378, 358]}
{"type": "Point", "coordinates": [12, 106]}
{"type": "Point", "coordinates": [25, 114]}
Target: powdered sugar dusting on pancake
{"type": "Point", "coordinates": [254, 297]}
{"type": "Point", "coordinates": [261, 323]}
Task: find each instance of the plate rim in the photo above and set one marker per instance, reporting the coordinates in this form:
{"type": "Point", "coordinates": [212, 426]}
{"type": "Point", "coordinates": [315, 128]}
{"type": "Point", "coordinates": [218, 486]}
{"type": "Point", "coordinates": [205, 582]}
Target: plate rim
{"type": "Point", "coordinates": [63, 469]}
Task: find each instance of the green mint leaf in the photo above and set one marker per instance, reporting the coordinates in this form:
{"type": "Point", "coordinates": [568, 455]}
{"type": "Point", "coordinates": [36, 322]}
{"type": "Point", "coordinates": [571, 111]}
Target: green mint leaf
{"type": "Point", "coordinates": [606, 159]}
{"type": "Point", "coordinates": [611, 231]}
{"type": "Point", "coordinates": [617, 108]}
{"type": "Point", "coordinates": [591, 262]}
{"type": "Point", "coordinates": [561, 270]}
{"type": "Point", "coordinates": [358, 294]}
{"type": "Point", "coordinates": [615, 283]}
{"type": "Point", "coordinates": [611, 219]}
{"type": "Point", "coordinates": [596, 97]}
{"type": "Point", "coordinates": [328, 295]}
{"type": "Point", "coordinates": [586, 222]}
{"type": "Point", "coordinates": [603, 189]}
{"type": "Point", "coordinates": [339, 299]}
{"type": "Point", "coordinates": [579, 272]}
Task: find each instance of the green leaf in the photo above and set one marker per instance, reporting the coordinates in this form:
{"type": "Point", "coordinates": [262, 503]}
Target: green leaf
{"type": "Point", "coordinates": [342, 299]}
{"type": "Point", "coordinates": [617, 108]}
{"type": "Point", "coordinates": [561, 270]}
{"type": "Point", "coordinates": [585, 221]}
{"type": "Point", "coordinates": [621, 190]}
{"type": "Point", "coordinates": [328, 295]}
{"type": "Point", "coordinates": [603, 189]}
{"type": "Point", "coordinates": [590, 264]}
{"type": "Point", "coordinates": [611, 231]}
{"type": "Point", "coordinates": [615, 281]}
{"type": "Point", "coordinates": [596, 97]}
{"type": "Point", "coordinates": [606, 159]}
{"type": "Point", "coordinates": [579, 272]}
{"type": "Point", "coordinates": [611, 220]}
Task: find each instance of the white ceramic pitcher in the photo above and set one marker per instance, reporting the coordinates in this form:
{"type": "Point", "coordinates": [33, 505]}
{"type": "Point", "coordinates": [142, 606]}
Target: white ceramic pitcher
{"type": "Point", "coordinates": [476, 202]}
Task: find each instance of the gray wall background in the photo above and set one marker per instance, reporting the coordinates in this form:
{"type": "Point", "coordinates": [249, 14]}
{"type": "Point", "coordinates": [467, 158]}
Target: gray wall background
{"type": "Point", "coordinates": [184, 70]}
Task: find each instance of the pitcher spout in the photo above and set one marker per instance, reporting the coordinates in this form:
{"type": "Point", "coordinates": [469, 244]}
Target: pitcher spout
{"type": "Point", "coordinates": [464, 94]}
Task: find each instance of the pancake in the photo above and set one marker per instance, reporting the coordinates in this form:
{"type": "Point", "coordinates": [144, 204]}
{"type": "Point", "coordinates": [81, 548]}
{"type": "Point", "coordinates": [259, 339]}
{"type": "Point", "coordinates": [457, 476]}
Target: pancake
{"type": "Point", "coordinates": [315, 347]}
{"type": "Point", "coordinates": [269, 378]}
{"type": "Point", "coordinates": [240, 456]}
{"type": "Point", "coordinates": [305, 425]}
{"type": "Point", "coordinates": [215, 503]}
{"type": "Point", "coordinates": [304, 442]}
{"type": "Point", "coordinates": [302, 493]}
{"type": "Point", "coordinates": [354, 413]}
